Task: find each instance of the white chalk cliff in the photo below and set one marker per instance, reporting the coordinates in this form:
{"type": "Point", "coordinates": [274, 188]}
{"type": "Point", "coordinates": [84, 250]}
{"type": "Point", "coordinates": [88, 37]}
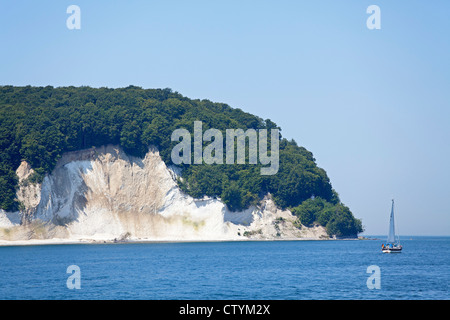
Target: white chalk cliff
{"type": "Point", "coordinates": [102, 194]}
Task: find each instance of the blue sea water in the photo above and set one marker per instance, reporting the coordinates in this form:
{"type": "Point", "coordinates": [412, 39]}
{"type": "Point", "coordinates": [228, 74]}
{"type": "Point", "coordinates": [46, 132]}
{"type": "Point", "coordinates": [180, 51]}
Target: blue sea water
{"type": "Point", "coordinates": [271, 270]}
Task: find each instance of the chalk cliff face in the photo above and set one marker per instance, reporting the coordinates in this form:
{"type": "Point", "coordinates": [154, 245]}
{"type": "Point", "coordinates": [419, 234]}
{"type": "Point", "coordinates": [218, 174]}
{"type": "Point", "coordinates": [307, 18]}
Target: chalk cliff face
{"type": "Point", "coordinates": [101, 194]}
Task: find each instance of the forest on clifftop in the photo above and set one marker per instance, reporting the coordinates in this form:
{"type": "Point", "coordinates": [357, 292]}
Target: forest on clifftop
{"type": "Point", "coordinates": [39, 124]}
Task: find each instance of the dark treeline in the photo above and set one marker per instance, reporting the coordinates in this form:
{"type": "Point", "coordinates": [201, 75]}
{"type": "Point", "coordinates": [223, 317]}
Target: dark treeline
{"type": "Point", "coordinates": [39, 124]}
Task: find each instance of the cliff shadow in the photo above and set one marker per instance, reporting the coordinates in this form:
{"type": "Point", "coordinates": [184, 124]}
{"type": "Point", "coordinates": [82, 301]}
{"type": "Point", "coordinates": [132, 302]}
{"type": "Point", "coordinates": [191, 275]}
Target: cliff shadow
{"type": "Point", "coordinates": [64, 193]}
{"type": "Point", "coordinates": [244, 217]}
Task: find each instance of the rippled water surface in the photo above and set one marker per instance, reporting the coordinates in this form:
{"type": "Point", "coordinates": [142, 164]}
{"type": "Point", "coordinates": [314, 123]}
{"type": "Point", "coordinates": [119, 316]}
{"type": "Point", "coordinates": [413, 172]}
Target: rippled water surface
{"type": "Point", "coordinates": [228, 270]}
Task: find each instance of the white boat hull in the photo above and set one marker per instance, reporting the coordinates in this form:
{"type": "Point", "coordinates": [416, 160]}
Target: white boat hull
{"type": "Point", "coordinates": [392, 250]}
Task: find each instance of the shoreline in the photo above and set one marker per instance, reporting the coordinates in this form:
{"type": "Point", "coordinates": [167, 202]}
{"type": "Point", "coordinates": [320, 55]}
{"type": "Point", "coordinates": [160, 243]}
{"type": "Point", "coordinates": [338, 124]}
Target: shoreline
{"type": "Point", "coordinates": [42, 242]}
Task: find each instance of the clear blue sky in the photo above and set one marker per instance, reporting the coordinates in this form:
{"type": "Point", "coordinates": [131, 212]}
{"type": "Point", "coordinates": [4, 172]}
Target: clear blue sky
{"type": "Point", "coordinates": [372, 105]}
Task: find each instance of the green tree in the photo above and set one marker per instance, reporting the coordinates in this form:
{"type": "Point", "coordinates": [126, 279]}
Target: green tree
{"type": "Point", "coordinates": [39, 124]}
{"type": "Point", "coordinates": [231, 196]}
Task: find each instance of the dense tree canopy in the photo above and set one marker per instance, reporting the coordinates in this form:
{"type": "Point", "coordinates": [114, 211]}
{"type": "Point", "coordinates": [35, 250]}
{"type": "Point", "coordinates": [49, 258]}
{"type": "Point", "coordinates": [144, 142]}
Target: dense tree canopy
{"type": "Point", "coordinates": [39, 124]}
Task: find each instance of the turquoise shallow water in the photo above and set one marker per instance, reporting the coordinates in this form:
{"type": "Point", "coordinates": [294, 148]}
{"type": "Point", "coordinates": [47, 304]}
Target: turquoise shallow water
{"type": "Point", "coordinates": [272, 270]}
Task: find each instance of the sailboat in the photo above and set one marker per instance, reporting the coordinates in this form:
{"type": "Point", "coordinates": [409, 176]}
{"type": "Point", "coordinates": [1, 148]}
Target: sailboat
{"type": "Point", "coordinates": [391, 245]}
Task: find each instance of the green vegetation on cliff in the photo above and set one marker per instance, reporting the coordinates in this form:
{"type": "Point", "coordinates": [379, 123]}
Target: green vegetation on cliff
{"type": "Point", "coordinates": [39, 124]}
